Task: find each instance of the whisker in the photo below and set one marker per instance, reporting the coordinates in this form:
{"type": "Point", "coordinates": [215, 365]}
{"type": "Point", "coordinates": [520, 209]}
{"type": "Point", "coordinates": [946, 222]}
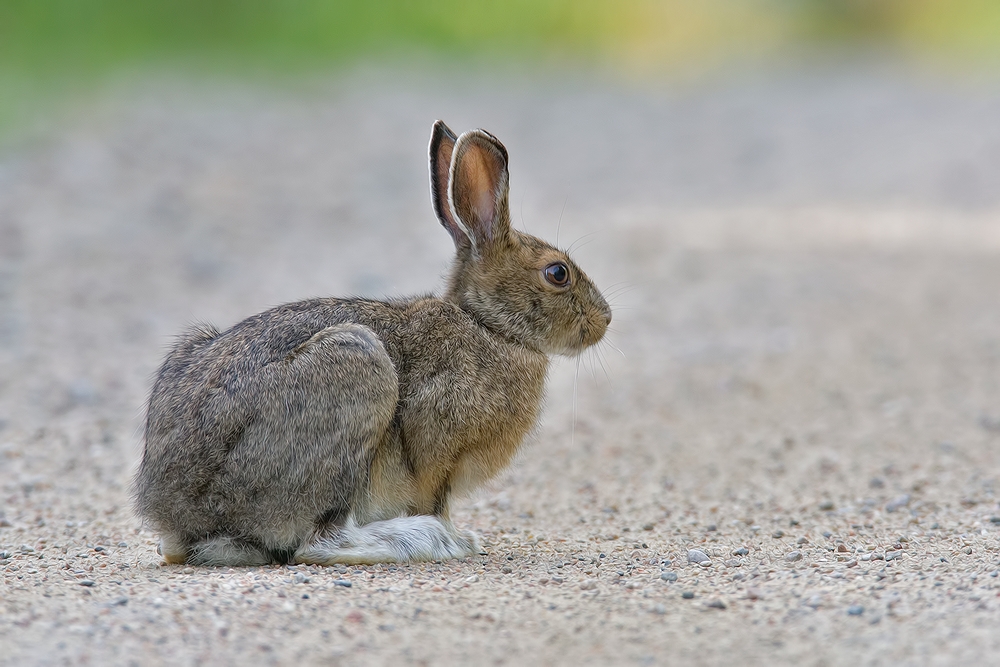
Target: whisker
{"type": "Point", "coordinates": [582, 245]}
{"type": "Point", "coordinates": [576, 383]}
{"type": "Point", "coordinates": [559, 224]}
{"type": "Point", "coordinates": [593, 367]}
{"type": "Point", "coordinates": [570, 248]}
{"type": "Point", "coordinates": [620, 288]}
{"type": "Point", "coordinates": [613, 294]}
{"type": "Point", "coordinates": [614, 347]}
{"type": "Point", "coordinates": [600, 360]}
{"type": "Point", "coordinates": [523, 226]}
{"type": "Point", "coordinates": [620, 306]}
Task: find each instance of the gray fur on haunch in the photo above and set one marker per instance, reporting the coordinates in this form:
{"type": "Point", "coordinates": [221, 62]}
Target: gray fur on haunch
{"type": "Point", "coordinates": [338, 430]}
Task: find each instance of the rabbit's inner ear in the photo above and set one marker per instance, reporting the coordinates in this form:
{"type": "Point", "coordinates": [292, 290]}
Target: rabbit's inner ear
{"type": "Point", "coordinates": [441, 148]}
{"type": "Point", "coordinates": [479, 185]}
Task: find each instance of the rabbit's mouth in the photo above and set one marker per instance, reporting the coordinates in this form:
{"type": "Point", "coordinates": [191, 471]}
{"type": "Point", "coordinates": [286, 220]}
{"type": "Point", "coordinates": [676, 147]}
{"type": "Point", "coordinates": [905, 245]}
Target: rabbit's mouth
{"type": "Point", "coordinates": [591, 336]}
{"type": "Point", "coordinates": [571, 346]}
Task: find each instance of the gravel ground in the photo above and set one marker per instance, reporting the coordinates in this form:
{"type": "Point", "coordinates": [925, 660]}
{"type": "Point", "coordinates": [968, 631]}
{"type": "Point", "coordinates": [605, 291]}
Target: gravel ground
{"type": "Point", "coordinates": [793, 459]}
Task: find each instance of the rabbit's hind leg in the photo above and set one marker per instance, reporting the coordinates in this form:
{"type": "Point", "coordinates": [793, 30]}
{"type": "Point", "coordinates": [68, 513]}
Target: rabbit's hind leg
{"type": "Point", "coordinates": [220, 550]}
{"type": "Point", "coordinates": [306, 457]}
{"type": "Point", "coordinates": [230, 551]}
{"type": "Point", "coordinates": [399, 540]}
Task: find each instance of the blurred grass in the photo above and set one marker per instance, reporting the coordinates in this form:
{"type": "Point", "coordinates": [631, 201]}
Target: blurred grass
{"type": "Point", "coordinates": [48, 46]}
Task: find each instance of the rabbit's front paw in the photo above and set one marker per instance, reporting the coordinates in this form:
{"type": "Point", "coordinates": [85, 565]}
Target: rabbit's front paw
{"type": "Point", "coordinates": [468, 542]}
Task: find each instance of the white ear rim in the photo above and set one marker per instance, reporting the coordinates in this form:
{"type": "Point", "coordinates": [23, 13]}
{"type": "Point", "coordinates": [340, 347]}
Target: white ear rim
{"type": "Point", "coordinates": [462, 138]}
{"type": "Point", "coordinates": [498, 192]}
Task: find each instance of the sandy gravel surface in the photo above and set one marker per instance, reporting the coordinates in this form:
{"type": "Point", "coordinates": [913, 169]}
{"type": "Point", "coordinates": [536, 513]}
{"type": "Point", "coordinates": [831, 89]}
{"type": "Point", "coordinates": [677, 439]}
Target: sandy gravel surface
{"type": "Point", "coordinates": [806, 275]}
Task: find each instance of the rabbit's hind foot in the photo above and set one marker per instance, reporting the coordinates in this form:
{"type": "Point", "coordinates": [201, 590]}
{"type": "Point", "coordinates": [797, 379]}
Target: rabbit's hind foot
{"type": "Point", "coordinates": [225, 551]}
{"type": "Point", "coordinates": [399, 540]}
{"type": "Point", "coordinates": [173, 550]}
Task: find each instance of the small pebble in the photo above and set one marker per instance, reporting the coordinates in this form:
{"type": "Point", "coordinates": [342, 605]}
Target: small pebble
{"type": "Point", "coordinates": [698, 556]}
{"type": "Point", "coordinates": [687, 595]}
{"type": "Point", "coordinates": [826, 506]}
{"type": "Point", "coordinates": [123, 544]}
{"type": "Point", "coordinates": [794, 556]}
{"type": "Point", "coordinates": [342, 582]}
{"type": "Point", "coordinates": [712, 528]}
{"type": "Point", "coordinates": [995, 573]}
{"type": "Point", "coordinates": [118, 602]}
{"type": "Point", "coordinates": [588, 585]}
{"type": "Point", "coordinates": [4, 555]}
{"type": "Point", "coordinates": [659, 609]}
{"type": "Point", "coordinates": [897, 503]}
{"type": "Point", "coordinates": [716, 604]}
{"type": "Point", "coordinates": [669, 576]}
{"type": "Point", "coordinates": [26, 549]}
{"type": "Point", "coordinates": [301, 578]}
{"type": "Point", "coordinates": [778, 534]}
{"type": "Point", "coordinates": [967, 550]}
{"type": "Point", "coordinates": [995, 520]}
{"type": "Point", "coordinates": [742, 551]}
{"type": "Point", "coordinates": [855, 610]}
{"type": "Point", "coordinates": [827, 534]}
{"type": "Point", "coordinates": [802, 540]}
{"type": "Point", "coordinates": [893, 555]}
{"type": "Point", "coordinates": [87, 582]}
{"type": "Point", "coordinates": [648, 526]}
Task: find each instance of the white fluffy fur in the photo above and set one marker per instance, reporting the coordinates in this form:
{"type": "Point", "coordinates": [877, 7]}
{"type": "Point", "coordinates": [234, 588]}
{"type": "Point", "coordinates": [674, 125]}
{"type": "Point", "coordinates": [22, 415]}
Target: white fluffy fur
{"type": "Point", "coordinates": [407, 538]}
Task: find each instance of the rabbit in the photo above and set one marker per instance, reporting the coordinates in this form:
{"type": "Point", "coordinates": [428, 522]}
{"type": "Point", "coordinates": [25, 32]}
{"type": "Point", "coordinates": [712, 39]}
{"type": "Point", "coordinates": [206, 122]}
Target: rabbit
{"type": "Point", "coordinates": [339, 430]}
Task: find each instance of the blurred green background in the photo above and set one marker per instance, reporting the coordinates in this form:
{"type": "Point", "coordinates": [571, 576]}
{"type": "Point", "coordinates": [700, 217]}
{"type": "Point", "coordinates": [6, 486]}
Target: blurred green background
{"type": "Point", "coordinates": [48, 47]}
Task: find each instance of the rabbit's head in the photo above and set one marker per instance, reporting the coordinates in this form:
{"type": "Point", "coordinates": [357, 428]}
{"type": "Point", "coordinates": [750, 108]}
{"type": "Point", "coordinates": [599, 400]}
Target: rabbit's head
{"type": "Point", "coordinates": [514, 284]}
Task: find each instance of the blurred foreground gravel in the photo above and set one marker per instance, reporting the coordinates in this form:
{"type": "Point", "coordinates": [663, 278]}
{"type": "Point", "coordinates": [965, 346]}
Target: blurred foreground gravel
{"type": "Point", "coordinates": [793, 459]}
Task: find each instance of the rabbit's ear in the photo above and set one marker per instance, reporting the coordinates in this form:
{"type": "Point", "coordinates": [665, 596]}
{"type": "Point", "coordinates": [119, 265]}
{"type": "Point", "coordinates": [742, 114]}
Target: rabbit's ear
{"type": "Point", "coordinates": [442, 145]}
{"type": "Point", "coordinates": [478, 188]}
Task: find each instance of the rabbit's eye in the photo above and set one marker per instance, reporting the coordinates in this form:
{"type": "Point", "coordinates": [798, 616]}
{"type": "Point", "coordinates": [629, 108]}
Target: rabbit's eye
{"type": "Point", "coordinates": [557, 274]}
